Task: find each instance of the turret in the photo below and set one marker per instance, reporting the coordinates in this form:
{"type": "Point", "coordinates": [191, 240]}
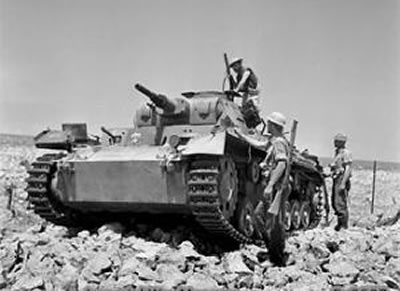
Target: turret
{"type": "Point", "coordinates": [161, 101]}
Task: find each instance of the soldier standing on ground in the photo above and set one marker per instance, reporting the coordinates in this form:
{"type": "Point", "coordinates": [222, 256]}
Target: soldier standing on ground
{"type": "Point", "coordinates": [246, 82]}
{"type": "Point", "coordinates": [268, 226]}
{"type": "Point", "coordinates": [341, 173]}
{"type": "Point", "coordinates": [274, 164]}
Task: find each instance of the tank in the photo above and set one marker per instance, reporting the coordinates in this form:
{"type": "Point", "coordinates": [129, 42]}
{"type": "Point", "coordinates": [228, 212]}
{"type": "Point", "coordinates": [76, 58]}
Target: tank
{"type": "Point", "coordinates": [182, 156]}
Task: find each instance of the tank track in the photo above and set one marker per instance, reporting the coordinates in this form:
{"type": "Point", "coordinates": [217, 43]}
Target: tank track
{"type": "Point", "coordinates": [39, 190]}
{"type": "Point", "coordinates": [205, 202]}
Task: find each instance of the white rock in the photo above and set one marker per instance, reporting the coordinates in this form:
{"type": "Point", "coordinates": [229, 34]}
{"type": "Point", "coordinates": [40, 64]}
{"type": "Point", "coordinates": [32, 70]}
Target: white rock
{"type": "Point", "coordinates": [129, 266]}
{"type": "Point", "coordinates": [233, 262]}
{"type": "Point", "coordinates": [88, 276]}
{"type": "Point", "coordinates": [27, 282]}
{"type": "Point", "coordinates": [393, 268]}
{"type": "Point", "coordinates": [250, 252]}
{"type": "Point", "coordinates": [201, 281]}
{"type": "Point", "coordinates": [86, 286]}
{"type": "Point", "coordinates": [56, 231]}
{"type": "Point", "coordinates": [342, 269]}
{"type": "Point", "coordinates": [171, 256]}
{"type": "Point", "coordinates": [126, 283]}
{"type": "Point", "coordinates": [187, 250]}
{"type": "Point", "coordinates": [320, 250]}
{"type": "Point", "coordinates": [110, 232]}
{"type": "Point", "coordinates": [129, 241]}
{"type": "Point", "coordinates": [147, 274]}
{"type": "Point", "coordinates": [147, 250]}
{"type": "Point", "coordinates": [386, 246]}
{"type": "Point", "coordinates": [67, 279]}
{"type": "Point", "coordinates": [84, 234]}
{"type": "Point", "coordinates": [99, 263]}
{"type": "Point", "coordinates": [275, 277]}
{"type": "Point", "coordinates": [109, 236]}
{"type": "Point", "coordinates": [170, 275]}
{"type": "Point", "coordinates": [115, 227]}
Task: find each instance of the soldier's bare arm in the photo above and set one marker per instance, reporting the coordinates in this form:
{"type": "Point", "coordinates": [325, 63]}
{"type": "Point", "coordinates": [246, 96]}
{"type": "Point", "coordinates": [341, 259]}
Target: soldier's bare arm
{"type": "Point", "coordinates": [254, 142]}
{"type": "Point", "coordinates": [245, 76]}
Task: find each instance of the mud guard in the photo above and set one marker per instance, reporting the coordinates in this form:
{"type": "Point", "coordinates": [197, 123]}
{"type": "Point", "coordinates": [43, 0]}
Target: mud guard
{"type": "Point", "coordinates": [211, 144]}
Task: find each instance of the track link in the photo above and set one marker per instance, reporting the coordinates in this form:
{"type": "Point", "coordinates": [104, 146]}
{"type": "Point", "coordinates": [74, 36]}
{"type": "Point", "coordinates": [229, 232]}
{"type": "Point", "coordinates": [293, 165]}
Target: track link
{"type": "Point", "coordinates": [205, 201]}
{"type": "Point", "coordinates": [39, 190]}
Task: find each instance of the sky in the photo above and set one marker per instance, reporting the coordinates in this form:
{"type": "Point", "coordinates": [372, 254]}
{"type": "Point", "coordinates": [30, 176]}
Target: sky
{"type": "Point", "coordinates": [332, 65]}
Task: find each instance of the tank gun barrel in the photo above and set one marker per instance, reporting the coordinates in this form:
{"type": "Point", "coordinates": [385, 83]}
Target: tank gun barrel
{"type": "Point", "coordinates": [159, 100]}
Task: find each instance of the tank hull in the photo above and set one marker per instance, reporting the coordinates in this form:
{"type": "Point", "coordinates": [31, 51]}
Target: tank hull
{"type": "Point", "coordinates": [123, 179]}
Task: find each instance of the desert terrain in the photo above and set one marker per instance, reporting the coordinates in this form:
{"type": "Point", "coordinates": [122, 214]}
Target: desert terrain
{"type": "Point", "coordinates": [35, 255]}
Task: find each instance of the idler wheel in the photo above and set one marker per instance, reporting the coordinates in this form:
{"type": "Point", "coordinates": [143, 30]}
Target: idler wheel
{"type": "Point", "coordinates": [245, 217]}
{"type": "Point", "coordinates": [305, 214]}
{"type": "Point", "coordinates": [295, 214]}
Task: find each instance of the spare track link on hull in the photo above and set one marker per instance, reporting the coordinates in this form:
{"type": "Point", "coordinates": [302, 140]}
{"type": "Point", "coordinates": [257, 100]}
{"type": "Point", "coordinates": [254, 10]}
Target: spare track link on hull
{"type": "Point", "coordinates": [39, 189]}
{"type": "Point", "coordinates": [205, 201]}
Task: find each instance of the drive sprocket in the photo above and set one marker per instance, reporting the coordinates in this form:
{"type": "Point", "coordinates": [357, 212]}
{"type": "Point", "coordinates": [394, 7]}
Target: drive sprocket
{"type": "Point", "coordinates": [40, 195]}
{"type": "Point", "coordinates": [212, 183]}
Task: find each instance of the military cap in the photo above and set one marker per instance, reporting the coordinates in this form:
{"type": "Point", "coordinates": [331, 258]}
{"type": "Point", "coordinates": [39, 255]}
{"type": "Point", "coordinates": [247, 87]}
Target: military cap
{"type": "Point", "coordinates": [340, 137]}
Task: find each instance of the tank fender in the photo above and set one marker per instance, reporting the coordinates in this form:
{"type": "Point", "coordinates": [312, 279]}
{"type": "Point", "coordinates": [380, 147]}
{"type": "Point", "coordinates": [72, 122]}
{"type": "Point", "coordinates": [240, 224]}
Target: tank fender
{"type": "Point", "coordinates": [210, 144]}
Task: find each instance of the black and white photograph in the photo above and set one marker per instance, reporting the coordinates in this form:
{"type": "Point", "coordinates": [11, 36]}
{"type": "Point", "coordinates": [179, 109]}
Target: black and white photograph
{"type": "Point", "coordinates": [199, 145]}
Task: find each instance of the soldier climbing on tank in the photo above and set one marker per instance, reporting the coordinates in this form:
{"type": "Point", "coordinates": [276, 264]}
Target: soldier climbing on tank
{"type": "Point", "coordinates": [341, 173]}
{"type": "Point", "coordinates": [245, 82]}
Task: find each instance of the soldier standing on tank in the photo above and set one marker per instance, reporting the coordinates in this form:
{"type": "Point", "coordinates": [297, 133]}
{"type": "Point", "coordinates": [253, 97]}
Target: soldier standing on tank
{"type": "Point", "coordinates": [274, 164]}
{"type": "Point", "coordinates": [246, 82]}
{"type": "Point", "coordinates": [341, 173]}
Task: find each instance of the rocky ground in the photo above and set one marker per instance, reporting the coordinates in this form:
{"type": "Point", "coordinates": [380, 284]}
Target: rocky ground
{"type": "Point", "coordinates": [35, 255]}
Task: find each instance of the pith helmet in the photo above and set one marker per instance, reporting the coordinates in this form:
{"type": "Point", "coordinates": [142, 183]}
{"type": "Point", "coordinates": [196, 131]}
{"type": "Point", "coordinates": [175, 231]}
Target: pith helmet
{"type": "Point", "coordinates": [277, 118]}
{"type": "Point", "coordinates": [340, 137]}
{"type": "Point", "coordinates": [234, 61]}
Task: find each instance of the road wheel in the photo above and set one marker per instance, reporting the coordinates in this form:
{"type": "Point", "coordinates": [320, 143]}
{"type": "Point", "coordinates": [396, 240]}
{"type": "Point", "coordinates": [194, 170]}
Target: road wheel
{"type": "Point", "coordinates": [295, 215]}
{"type": "Point", "coordinates": [287, 218]}
{"type": "Point", "coordinates": [245, 217]}
{"type": "Point", "coordinates": [305, 214]}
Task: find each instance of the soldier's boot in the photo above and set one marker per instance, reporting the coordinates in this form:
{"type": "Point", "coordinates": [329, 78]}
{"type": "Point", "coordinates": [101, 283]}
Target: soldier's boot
{"type": "Point", "coordinates": [338, 226]}
{"type": "Point", "coordinates": [345, 221]}
{"type": "Point", "coordinates": [342, 222]}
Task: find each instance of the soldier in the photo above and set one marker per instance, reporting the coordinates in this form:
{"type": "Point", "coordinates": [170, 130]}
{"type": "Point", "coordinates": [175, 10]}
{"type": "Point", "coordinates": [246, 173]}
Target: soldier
{"type": "Point", "coordinates": [341, 173]}
{"type": "Point", "coordinates": [269, 227]}
{"type": "Point", "coordinates": [275, 162]}
{"type": "Point", "coordinates": [246, 82]}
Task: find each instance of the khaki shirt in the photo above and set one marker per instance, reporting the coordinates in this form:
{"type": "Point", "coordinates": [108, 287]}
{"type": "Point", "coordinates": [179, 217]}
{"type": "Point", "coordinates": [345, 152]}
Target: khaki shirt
{"type": "Point", "coordinates": [277, 150]}
{"type": "Point", "coordinates": [341, 159]}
